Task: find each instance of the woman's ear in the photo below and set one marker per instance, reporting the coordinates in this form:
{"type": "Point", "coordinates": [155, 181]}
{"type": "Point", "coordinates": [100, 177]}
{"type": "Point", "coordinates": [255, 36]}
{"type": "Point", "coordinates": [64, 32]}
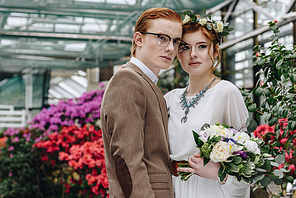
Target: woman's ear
{"type": "Point", "coordinates": [138, 39]}
{"type": "Point", "coordinates": [216, 53]}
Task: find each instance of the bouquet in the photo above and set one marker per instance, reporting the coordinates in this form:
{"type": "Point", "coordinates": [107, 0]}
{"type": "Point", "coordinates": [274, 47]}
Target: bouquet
{"type": "Point", "coordinates": [241, 155]}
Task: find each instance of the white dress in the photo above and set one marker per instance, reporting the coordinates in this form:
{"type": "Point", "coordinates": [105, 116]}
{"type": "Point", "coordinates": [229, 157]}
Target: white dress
{"type": "Point", "coordinates": [223, 103]}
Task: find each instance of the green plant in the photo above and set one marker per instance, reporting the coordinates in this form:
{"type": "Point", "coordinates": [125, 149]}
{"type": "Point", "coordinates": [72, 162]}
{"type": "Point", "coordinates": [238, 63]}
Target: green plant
{"type": "Point", "coordinates": [20, 172]}
{"type": "Point", "coordinates": [276, 89]}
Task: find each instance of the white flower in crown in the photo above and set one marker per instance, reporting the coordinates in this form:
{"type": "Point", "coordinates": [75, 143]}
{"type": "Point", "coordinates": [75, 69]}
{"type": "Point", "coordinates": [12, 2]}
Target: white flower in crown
{"type": "Point", "coordinates": [203, 21]}
{"type": "Point", "coordinates": [186, 19]}
{"type": "Point", "coordinates": [219, 26]}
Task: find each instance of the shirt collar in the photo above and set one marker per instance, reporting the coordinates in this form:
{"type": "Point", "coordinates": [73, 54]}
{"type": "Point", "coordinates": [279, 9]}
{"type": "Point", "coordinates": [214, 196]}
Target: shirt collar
{"type": "Point", "coordinates": [144, 69]}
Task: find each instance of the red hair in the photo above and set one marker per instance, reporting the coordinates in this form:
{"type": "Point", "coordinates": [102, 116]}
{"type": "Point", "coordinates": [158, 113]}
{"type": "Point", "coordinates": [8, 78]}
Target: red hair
{"type": "Point", "coordinates": [144, 21]}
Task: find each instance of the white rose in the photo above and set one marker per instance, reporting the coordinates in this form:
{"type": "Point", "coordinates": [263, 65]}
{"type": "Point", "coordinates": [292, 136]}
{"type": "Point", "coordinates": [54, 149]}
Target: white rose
{"type": "Point", "coordinates": [252, 146]}
{"type": "Point", "coordinates": [203, 21]}
{"type": "Point", "coordinates": [220, 152]}
{"type": "Point", "coordinates": [219, 26]}
{"type": "Point", "coordinates": [186, 19]}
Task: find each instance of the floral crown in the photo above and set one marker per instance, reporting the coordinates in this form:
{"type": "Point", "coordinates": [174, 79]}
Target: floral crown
{"type": "Point", "coordinates": [220, 27]}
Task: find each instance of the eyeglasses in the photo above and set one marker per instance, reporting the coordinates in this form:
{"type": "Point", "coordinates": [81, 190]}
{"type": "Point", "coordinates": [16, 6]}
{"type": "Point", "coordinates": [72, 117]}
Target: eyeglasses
{"type": "Point", "coordinates": [164, 40]}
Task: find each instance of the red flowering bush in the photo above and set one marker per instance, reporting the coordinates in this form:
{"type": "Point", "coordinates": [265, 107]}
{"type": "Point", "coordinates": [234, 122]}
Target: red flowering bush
{"type": "Point", "coordinates": [268, 134]}
{"type": "Point", "coordinates": [82, 150]}
{"type": "Point", "coordinates": [2, 142]}
{"type": "Point", "coordinates": [59, 154]}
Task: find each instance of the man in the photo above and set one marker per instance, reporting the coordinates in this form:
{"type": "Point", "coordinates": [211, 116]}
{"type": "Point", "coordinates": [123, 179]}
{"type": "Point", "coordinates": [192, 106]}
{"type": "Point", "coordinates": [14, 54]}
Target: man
{"type": "Point", "coordinates": [134, 114]}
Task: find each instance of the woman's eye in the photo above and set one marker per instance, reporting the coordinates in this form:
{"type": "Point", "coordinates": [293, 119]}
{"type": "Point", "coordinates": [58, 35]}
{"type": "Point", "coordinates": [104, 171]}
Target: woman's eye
{"type": "Point", "coordinates": [202, 46]}
{"type": "Point", "coordinates": [186, 47]}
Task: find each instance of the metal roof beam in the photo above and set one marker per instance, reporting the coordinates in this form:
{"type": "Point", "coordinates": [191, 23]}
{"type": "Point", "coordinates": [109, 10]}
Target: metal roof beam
{"type": "Point", "coordinates": [290, 17]}
{"type": "Point", "coordinates": [66, 13]}
{"type": "Point", "coordinates": [219, 6]}
{"type": "Point", "coordinates": [259, 9]}
{"type": "Point", "coordinates": [63, 35]}
{"type": "Point", "coordinates": [56, 64]}
{"type": "Point", "coordinates": [72, 5]}
{"type": "Point", "coordinates": [230, 10]}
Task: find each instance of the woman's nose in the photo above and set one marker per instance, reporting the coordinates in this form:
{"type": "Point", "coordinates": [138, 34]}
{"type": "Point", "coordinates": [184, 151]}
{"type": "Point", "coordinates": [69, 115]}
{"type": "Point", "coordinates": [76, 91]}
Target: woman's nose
{"type": "Point", "coordinates": [193, 53]}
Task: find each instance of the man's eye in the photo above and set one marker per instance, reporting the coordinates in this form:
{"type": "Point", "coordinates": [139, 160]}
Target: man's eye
{"type": "Point", "coordinates": [176, 42]}
{"type": "Point", "coordinates": [163, 38]}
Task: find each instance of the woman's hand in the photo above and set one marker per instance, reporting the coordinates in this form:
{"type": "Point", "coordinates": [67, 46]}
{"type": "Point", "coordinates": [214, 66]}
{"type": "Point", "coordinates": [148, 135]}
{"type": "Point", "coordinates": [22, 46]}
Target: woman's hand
{"type": "Point", "coordinates": [209, 171]}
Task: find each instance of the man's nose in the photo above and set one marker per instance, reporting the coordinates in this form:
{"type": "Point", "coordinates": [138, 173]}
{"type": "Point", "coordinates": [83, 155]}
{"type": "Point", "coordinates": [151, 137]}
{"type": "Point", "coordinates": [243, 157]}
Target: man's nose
{"type": "Point", "coordinates": [170, 46]}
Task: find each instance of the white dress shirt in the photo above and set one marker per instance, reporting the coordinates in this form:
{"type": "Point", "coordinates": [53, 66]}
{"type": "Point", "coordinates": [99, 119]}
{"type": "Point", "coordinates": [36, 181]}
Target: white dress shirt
{"type": "Point", "coordinates": [145, 69]}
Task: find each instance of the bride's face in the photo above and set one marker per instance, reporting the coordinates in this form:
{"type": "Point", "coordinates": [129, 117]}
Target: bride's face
{"type": "Point", "coordinates": [197, 57]}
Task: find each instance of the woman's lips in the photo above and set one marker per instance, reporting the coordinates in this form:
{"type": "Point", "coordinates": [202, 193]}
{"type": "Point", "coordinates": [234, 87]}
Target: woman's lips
{"type": "Point", "coordinates": [194, 63]}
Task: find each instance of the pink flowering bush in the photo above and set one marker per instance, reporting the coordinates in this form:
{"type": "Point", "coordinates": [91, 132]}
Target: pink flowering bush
{"type": "Point", "coordinates": [58, 154]}
{"type": "Point", "coordinates": [80, 111]}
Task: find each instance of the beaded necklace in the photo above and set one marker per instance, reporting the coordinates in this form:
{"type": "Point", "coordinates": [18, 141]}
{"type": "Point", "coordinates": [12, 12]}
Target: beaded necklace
{"type": "Point", "coordinates": [194, 102]}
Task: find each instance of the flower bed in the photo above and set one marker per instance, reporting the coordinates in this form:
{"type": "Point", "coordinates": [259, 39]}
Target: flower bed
{"type": "Point", "coordinates": [58, 154]}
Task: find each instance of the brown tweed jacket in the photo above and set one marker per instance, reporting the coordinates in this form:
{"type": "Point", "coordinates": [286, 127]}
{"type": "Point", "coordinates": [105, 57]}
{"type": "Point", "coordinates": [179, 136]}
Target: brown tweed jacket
{"type": "Point", "coordinates": [134, 123]}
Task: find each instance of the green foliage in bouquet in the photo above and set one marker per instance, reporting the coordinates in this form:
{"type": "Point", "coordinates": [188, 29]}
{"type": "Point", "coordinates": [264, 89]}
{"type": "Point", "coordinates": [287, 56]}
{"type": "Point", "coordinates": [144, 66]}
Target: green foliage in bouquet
{"type": "Point", "coordinates": [246, 158]}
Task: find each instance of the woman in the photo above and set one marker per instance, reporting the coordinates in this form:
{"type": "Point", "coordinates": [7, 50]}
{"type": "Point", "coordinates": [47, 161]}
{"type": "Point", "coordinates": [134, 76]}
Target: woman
{"type": "Point", "coordinates": [207, 99]}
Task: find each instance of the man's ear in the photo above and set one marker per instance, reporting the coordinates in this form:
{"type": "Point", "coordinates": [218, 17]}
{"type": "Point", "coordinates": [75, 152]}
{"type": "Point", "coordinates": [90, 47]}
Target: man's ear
{"type": "Point", "coordinates": [138, 38]}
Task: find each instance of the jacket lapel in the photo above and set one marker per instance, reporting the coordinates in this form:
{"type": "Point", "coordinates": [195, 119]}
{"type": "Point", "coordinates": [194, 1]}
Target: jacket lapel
{"type": "Point", "coordinates": [159, 96]}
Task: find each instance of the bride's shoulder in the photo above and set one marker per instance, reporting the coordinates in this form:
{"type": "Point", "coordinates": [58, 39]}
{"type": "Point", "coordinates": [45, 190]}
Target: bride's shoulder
{"type": "Point", "coordinates": [174, 93]}
{"type": "Point", "coordinates": [228, 87]}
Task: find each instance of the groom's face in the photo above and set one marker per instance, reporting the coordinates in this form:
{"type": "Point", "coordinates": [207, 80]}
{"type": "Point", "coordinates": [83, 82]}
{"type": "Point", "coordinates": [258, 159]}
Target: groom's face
{"type": "Point", "coordinates": [153, 55]}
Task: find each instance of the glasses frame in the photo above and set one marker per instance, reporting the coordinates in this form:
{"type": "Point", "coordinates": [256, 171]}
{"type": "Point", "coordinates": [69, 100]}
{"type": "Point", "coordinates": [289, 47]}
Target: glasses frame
{"type": "Point", "coordinates": [176, 48]}
{"type": "Point", "coordinates": [183, 43]}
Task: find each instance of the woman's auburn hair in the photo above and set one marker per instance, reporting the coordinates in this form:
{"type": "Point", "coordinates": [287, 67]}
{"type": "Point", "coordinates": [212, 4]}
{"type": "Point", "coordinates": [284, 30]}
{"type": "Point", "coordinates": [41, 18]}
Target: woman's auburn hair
{"type": "Point", "coordinates": [144, 21]}
{"type": "Point", "coordinates": [209, 34]}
